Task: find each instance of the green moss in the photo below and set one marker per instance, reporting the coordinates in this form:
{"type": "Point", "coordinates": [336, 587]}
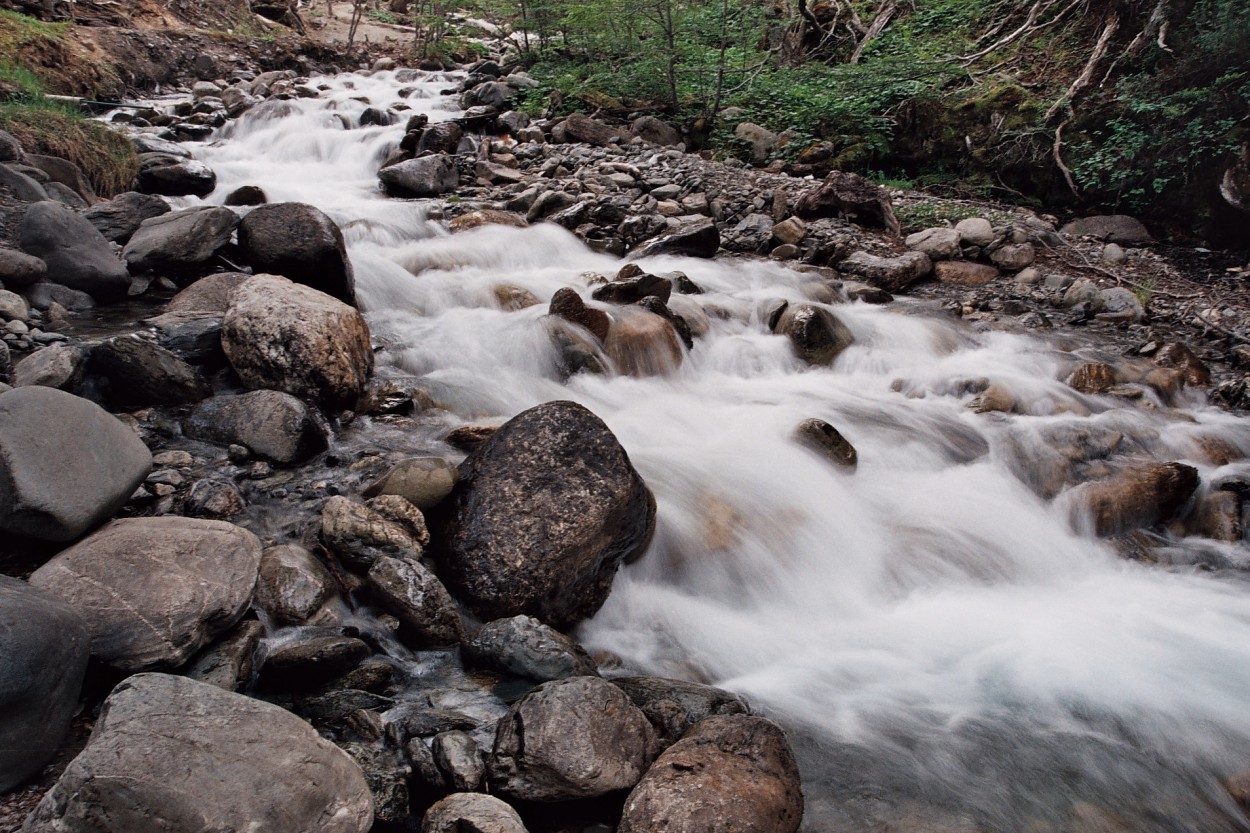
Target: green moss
{"type": "Point", "coordinates": [46, 127]}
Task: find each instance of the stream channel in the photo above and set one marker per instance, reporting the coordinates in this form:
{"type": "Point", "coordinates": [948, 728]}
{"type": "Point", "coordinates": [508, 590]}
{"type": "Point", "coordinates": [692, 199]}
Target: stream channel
{"type": "Point", "coordinates": [946, 649]}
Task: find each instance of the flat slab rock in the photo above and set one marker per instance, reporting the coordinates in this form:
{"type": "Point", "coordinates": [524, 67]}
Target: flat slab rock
{"type": "Point", "coordinates": [173, 755]}
{"type": "Point", "coordinates": [155, 590]}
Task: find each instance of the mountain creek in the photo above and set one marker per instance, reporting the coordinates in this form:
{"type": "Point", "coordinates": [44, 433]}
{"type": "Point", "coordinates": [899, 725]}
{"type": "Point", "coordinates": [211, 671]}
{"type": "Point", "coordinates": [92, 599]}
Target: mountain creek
{"type": "Point", "coordinates": [602, 486]}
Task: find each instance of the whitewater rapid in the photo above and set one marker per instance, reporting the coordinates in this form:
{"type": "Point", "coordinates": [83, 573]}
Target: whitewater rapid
{"type": "Point", "coordinates": [946, 651]}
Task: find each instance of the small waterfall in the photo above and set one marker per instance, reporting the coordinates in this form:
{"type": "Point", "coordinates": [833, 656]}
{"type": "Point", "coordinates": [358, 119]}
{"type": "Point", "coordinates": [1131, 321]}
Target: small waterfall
{"type": "Point", "coordinates": [947, 652]}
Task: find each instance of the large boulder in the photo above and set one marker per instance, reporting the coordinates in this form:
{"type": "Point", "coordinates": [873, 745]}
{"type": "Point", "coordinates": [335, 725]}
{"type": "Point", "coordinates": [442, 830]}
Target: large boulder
{"type": "Point", "coordinates": [155, 590]}
{"type": "Point", "coordinates": [174, 176]}
{"type": "Point", "coordinates": [292, 585]}
{"type": "Point", "coordinates": [817, 335]}
{"type": "Point", "coordinates": [544, 513]}
{"type": "Point", "coordinates": [137, 373]}
{"type": "Point", "coordinates": [1139, 496]}
{"type": "Point", "coordinates": [471, 813]}
{"type": "Point", "coordinates": [299, 242]}
{"type": "Point", "coordinates": [119, 218]}
{"type": "Point", "coordinates": [579, 127]}
{"type": "Point", "coordinates": [284, 336]}
{"type": "Point", "coordinates": [1110, 228]}
{"type": "Point", "coordinates": [699, 238]}
{"type": "Point", "coordinates": [272, 424]}
{"type": "Point", "coordinates": [173, 755]}
{"type": "Point", "coordinates": [673, 706]}
{"type": "Point", "coordinates": [728, 773]}
{"type": "Point", "coordinates": [654, 131]}
{"type": "Point", "coordinates": [893, 274]}
{"type": "Point", "coordinates": [210, 294]}
{"type": "Point", "coordinates": [43, 657]}
{"type": "Point", "coordinates": [427, 176]}
{"type": "Point", "coordinates": [76, 254]}
{"type": "Point", "coordinates": [180, 243]}
{"type": "Point", "coordinates": [66, 464]}
{"type": "Point", "coordinates": [849, 195]}
{"type": "Point", "coordinates": [574, 738]}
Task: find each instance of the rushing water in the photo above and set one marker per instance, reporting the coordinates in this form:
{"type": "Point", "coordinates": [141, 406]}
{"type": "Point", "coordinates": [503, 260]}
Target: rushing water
{"type": "Point", "coordinates": [947, 652]}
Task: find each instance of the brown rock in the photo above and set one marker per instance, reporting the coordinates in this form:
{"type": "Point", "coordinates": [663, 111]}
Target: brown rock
{"type": "Point", "coordinates": [486, 217]}
{"type": "Point", "coordinates": [816, 334]}
{"type": "Point", "coordinates": [1093, 377]}
{"type": "Point", "coordinates": [567, 304]}
{"type": "Point", "coordinates": [1139, 496]}
{"type": "Point", "coordinates": [731, 772]}
{"type": "Point", "coordinates": [964, 273]}
{"type": "Point", "coordinates": [1179, 357]}
{"type": "Point", "coordinates": [790, 231]}
{"type": "Point", "coordinates": [512, 298]}
{"type": "Point", "coordinates": [642, 343]}
{"type": "Point", "coordinates": [828, 442]}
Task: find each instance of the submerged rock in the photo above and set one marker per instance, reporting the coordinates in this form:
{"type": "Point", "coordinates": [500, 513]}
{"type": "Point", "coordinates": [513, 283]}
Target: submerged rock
{"type": "Point", "coordinates": [817, 335]}
{"type": "Point", "coordinates": [544, 513]}
{"type": "Point", "coordinates": [195, 758]}
{"type": "Point", "coordinates": [1138, 496]}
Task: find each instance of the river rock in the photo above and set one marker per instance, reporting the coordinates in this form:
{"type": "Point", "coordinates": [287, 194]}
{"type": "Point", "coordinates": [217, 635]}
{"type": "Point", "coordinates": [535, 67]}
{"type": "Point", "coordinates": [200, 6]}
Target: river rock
{"type": "Point", "coordinates": [423, 481]}
{"type": "Point", "coordinates": [173, 176]}
{"type": "Point", "coordinates": [964, 273]}
{"type": "Point", "coordinates": [849, 195]}
{"type": "Point", "coordinates": [655, 131]}
{"type": "Point", "coordinates": [1014, 256]}
{"type": "Point", "coordinates": [246, 195]}
{"type": "Point", "coordinates": [1110, 228]}
{"type": "Point", "coordinates": [66, 464]}
{"type": "Point", "coordinates": [1137, 497]}
{"type": "Point", "coordinates": [292, 585]}
{"type": "Point", "coordinates": [195, 758]}
{"type": "Point", "coordinates": [523, 646]}
{"type": "Point", "coordinates": [299, 242]}
{"type": "Point", "coordinates": [574, 738]}
{"type": "Point", "coordinates": [156, 590]}
{"type": "Point", "coordinates": [228, 663]}
{"type": "Point", "coordinates": [459, 759]}
{"type": "Point", "coordinates": [10, 148]}
{"type": "Point", "coordinates": [13, 306]}
{"type": "Point", "coordinates": [274, 425]}
{"type": "Point", "coordinates": [673, 706]}
{"type": "Point", "coordinates": [728, 773]}
{"type": "Point", "coordinates": [284, 336]}
{"type": "Point", "coordinates": [44, 647]}
{"type": "Point", "coordinates": [210, 293]}
{"type": "Point", "coordinates": [828, 442]}
{"type": "Point", "coordinates": [893, 274]}
{"type": "Point", "coordinates": [427, 176]}
{"type": "Point", "coordinates": [119, 218]}
{"type": "Point", "coordinates": [816, 334]}
{"type": "Point", "coordinates": [937, 243]}
{"type": "Point", "coordinates": [630, 291]}
{"type": "Point", "coordinates": [579, 127]}
{"type": "Point", "coordinates": [22, 187]}
{"type": "Point", "coordinates": [55, 366]}
{"type": "Point", "coordinates": [642, 343]}
{"type": "Point", "coordinates": [975, 231]}
{"type": "Point", "coordinates": [181, 243]}
{"type": "Point", "coordinates": [137, 373]}
{"type": "Point", "coordinates": [471, 813]}
{"type": "Point", "coordinates": [567, 304]}
{"type": "Point", "coordinates": [19, 270]}
{"type": "Point", "coordinates": [309, 663]}
{"type": "Point", "coordinates": [699, 238]}
{"type": "Point", "coordinates": [1178, 356]}
{"type": "Point", "coordinates": [76, 254]}
{"type": "Point", "coordinates": [544, 513]}
{"type": "Point", "coordinates": [441, 138]}
{"type": "Point", "coordinates": [427, 616]}
{"type": "Point", "coordinates": [360, 535]}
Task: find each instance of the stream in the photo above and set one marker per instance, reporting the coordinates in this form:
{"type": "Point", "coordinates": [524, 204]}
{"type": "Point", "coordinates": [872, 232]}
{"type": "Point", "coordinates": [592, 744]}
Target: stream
{"type": "Point", "coordinates": [946, 651]}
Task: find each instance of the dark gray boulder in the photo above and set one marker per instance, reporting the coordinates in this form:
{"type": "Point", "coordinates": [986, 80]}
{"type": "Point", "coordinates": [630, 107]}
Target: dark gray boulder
{"type": "Point", "coordinates": [695, 239]}
{"type": "Point", "coordinates": [77, 255]}
{"type": "Point", "coordinates": [57, 366]}
{"type": "Point", "coordinates": [443, 137]}
{"type": "Point", "coordinates": [174, 176]}
{"type": "Point", "coordinates": [272, 424]}
{"type": "Point", "coordinates": [195, 758]}
{"type": "Point", "coordinates": [574, 738]}
{"type": "Point", "coordinates": [427, 616]}
{"type": "Point", "coordinates": [427, 176]}
{"type": "Point", "coordinates": [156, 590]}
{"type": "Point", "coordinates": [458, 758]}
{"type": "Point", "coordinates": [23, 187]}
{"type": "Point", "coordinates": [307, 664]}
{"type": "Point", "coordinates": [66, 173]}
{"type": "Point", "coordinates": [119, 218]}
{"type": "Point", "coordinates": [728, 773]}
{"type": "Point", "coordinates": [66, 464]}
{"type": "Point", "coordinates": [181, 243]}
{"type": "Point", "coordinates": [654, 131]}
{"type": "Point", "coordinates": [299, 242]}
{"type": "Point", "coordinates": [19, 270]}
{"type": "Point", "coordinates": [44, 647]}
{"type": "Point", "coordinates": [292, 586]}
{"type": "Point", "coordinates": [543, 515]}
{"type": "Point", "coordinates": [524, 646]}
{"type": "Point", "coordinates": [137, 373]}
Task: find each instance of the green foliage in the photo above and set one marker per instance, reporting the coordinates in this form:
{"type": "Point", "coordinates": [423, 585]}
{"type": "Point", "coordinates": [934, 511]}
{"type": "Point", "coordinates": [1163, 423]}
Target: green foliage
{"type": "Point", "coordinates": [52, 128]}
{"type": "Point", "coordinates": [381, 15]}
